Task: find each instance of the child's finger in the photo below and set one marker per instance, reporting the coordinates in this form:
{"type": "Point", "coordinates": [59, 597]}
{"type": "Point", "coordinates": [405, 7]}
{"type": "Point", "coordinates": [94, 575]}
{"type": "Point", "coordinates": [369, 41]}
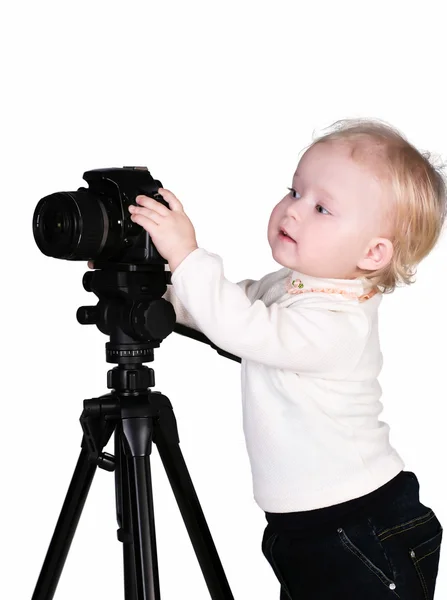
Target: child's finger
{"type": "Point", "coordinates": [90, 264]}
{"type": "Point", "coordinates": [173, 201]}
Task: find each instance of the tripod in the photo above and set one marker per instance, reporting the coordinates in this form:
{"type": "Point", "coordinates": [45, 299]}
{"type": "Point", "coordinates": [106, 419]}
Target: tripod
{"type": "Point", "coordinates": [133, 313]}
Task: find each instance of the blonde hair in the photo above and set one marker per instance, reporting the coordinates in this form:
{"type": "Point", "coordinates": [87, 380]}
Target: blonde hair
{"type": "Point", "coordinates": [416, 208]}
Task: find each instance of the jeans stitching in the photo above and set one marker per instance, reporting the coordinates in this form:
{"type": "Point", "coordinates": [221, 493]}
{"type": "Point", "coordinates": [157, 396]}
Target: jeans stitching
{"type": "Point", "coordinates": [425, 555]}
{"type": "Point", "coordinates": [379, 542]}
{"type": "Point", "coordinates": [407, 523]}
{"type": "Point", "coordinates": [407, 529]}
{"type": "Point", "coordinates": [377, 572]}
{"type": "Point", "coordinates": [421, 577]}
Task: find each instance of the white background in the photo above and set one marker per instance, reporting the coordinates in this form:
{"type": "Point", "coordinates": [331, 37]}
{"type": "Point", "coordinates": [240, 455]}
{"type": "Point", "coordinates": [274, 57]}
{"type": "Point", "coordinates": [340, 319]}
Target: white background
{"type": "Point", "coordinates": [218, 100]}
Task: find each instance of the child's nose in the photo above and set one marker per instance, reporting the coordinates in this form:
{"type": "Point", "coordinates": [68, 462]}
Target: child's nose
{"type": "Point", "coordinates": [296, 209]}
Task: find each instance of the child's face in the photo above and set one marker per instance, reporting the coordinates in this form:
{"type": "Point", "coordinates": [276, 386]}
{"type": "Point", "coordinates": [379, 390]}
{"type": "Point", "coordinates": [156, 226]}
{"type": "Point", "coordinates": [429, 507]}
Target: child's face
{"type": "Point", "coordinates": [334, 217]}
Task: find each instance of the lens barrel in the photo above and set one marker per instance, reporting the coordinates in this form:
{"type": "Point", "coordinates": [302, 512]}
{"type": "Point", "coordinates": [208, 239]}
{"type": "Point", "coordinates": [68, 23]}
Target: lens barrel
{"type": "Point", "coordinates": [71, 225]}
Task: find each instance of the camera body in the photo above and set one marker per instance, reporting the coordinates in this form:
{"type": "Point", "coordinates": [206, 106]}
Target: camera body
{"type": "Point", "coordinates": [94, 223]}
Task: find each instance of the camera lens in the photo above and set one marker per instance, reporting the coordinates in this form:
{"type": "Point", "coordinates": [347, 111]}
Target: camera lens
{"type": "Point", "coordinates": [71, 225]}
{"type": "Point", "coordinates": [55, 226]}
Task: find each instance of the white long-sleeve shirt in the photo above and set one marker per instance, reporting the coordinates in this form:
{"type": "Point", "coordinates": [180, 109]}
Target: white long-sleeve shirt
{"type": "Point", "coordinates": [310, 394]}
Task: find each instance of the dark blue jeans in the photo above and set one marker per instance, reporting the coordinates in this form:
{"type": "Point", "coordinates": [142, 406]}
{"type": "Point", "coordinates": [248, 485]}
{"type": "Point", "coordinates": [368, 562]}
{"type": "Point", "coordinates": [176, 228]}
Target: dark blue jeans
{"type": "Point", "coordinates": [381, 546]}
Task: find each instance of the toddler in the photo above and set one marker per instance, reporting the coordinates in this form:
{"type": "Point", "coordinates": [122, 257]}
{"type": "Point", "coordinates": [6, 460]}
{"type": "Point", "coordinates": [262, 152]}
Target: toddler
{"type": "Point", "coordinates": [344, 519]}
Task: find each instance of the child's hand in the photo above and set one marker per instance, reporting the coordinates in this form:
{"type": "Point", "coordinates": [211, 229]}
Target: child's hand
{"type": "Point", "coordinates": [170, 228]}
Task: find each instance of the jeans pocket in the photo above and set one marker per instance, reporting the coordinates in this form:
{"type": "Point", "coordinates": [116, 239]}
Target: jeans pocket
{"type": "Point", "coordinates": [419, 539]}
{"type": "Point", "coordinates": [368, 562]}
{"type": "Point", "coordinates": [268, 544]}
{"type": "Point", "coordinates": [425, 557]}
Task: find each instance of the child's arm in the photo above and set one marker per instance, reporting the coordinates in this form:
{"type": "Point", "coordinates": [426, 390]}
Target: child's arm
{"type": "Point", "coordinates": [183, 317]}
{"type": "Point", "coordinates": [311, 339]}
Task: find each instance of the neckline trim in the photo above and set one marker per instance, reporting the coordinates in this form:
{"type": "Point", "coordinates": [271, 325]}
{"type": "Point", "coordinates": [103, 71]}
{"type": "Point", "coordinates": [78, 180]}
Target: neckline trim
{"type": "Point", "coordinates": [357, 289]}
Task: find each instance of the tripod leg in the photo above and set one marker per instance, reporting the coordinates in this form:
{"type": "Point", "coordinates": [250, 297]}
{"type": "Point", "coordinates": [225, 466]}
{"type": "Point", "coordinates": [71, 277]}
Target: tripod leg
{"type": "Point", "coordinates": [65, 527]}
{"type": "Point", "coordinates": [167, 441]}
{"type": "Point", "coordinates": [137, 439]}
{"type": "Point", "coordinates": [124, 517]}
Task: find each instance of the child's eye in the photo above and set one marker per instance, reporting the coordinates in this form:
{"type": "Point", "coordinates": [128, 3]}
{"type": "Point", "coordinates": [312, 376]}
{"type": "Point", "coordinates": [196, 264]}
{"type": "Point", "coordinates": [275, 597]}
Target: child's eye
{"type": "Point", "coordinates": [326, 213]}
{"type": "Point", "coordinates": [292, 191]}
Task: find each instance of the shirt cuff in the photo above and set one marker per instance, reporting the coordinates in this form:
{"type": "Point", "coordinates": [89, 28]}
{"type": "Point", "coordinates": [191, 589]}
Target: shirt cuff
{"type": "Point", "coordinates": [196, 255]}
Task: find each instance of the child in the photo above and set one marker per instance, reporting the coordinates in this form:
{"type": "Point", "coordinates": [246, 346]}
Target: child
{"type": "Point", "coordinates": [344, 519]}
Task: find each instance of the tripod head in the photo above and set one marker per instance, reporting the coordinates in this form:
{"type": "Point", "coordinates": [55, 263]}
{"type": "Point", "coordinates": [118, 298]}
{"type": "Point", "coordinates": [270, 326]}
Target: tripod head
{"type": "Point", "coordinates": [133, 313]}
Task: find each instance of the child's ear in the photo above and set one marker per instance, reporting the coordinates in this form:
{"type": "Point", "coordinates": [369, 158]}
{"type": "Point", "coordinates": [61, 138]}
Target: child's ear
{"type": "Point", "coordinates": [378, 254]}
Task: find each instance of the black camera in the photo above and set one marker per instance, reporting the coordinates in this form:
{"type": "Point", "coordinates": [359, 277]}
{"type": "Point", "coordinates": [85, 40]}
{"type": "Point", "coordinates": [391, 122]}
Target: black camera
{"type": "Point", "coordinates": [95, 224]}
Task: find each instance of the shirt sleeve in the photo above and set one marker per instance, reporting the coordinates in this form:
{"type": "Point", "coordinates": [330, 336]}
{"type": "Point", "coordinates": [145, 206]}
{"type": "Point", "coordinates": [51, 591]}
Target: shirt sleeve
{"type": "Point", "coordinates": [183, 317]}
{"type": "Point", "coordinates": [302, 338]}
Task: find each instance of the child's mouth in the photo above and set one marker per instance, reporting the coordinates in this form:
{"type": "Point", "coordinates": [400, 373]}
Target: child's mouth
{"type": "Point", "coordinates": [285, 237]}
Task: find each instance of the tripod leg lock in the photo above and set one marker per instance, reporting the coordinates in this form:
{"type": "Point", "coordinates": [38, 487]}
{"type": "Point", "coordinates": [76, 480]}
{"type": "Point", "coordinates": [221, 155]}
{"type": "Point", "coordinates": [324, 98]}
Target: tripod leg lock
{"type": "Point", "coordinates": [106, 461]}
{"type": "Point", "coordinates": [124, 536]}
